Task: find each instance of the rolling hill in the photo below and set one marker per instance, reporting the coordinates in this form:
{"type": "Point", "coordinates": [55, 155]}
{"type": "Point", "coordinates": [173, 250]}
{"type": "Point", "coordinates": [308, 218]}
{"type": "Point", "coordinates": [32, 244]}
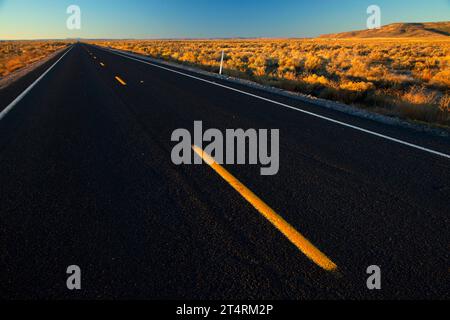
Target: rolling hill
{"type": "Point", "coordinates": [399, 30]}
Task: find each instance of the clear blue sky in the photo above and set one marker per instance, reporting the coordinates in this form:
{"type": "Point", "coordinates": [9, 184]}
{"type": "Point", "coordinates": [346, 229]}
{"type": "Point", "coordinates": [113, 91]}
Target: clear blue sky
{"type": "Point", "coordinates": [30, 19]}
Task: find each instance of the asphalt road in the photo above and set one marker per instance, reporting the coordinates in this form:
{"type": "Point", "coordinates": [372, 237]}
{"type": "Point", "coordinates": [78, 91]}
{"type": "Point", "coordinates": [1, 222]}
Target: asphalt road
{"type": "Point", "coordinates": [86, 178]}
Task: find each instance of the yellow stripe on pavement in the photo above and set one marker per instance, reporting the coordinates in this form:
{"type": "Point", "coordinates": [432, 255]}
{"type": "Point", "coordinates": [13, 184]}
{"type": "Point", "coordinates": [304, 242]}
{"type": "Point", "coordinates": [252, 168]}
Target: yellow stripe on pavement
{"type": "Point", "coordinates": [121, 81]}
{"type": "Point", "coordinates": [282, 225]}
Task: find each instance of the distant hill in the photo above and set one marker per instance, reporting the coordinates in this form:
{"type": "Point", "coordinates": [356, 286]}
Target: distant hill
{"type": "Point", "coordinates": [399, 30]}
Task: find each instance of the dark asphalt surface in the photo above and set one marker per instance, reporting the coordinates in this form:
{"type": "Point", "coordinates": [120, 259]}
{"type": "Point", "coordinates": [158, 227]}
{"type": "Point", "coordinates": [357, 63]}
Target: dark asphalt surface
{"type": "Point", "coordinates": [86, 178]}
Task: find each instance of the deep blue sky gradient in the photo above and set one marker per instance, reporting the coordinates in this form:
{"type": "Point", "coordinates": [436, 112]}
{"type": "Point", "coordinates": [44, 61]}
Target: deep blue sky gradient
{"type": "Point", "coordinates": [30, 19]}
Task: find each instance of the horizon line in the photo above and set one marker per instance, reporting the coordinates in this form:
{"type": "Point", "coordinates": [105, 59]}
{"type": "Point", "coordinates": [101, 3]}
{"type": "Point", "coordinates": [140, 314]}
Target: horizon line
{"type": "Point", "coordinates": [212, 38]}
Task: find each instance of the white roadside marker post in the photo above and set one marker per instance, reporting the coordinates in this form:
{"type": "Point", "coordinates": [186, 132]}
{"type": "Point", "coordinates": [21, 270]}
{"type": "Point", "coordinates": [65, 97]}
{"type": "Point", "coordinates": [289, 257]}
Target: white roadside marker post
{"type": "Point", "coordinates": [221, 62]}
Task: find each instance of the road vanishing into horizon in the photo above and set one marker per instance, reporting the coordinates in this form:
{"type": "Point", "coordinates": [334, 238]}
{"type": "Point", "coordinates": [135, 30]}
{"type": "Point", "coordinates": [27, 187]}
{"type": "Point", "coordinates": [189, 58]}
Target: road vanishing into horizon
{"type": "Point", "coordinates": [86, 179]}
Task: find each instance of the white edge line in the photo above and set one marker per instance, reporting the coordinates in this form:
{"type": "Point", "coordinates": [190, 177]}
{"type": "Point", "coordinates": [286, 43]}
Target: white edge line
{"type": "Point", "coordinates": [288, 106]}
{"type": "Point", "coordinates": [24, 93]}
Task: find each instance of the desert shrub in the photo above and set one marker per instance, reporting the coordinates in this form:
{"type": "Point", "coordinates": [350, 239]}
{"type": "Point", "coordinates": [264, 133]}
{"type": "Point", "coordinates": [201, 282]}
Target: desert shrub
{"type": "Point", "coordinates": [420, 112]}
{"type": "Point", "coordinates": [14, 64]}
{"type": "Point", "coordinates": [315, 64]}
{"type": "Point", "coordinates": [442, 78]}
{"type": "Point", "coordinates": [419, 95]}
{"type": "Point", "coordinates": [444, 103]}
{"type": "Point", "coordinates": [315, 79]}
{"type": "Point", "coordinates": [187, 57]}
{"type": "Point", "coordinates": [357, 86]}
{"type": "Point", "coordinates": [419, 103]}
{"type": "Point", "coordinates": [271, 65]}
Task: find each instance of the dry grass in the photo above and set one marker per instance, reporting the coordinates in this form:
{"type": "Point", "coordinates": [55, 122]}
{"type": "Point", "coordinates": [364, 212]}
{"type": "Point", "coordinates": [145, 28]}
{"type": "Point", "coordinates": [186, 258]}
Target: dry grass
{"type": "Point", "coordinates": [15, 55]}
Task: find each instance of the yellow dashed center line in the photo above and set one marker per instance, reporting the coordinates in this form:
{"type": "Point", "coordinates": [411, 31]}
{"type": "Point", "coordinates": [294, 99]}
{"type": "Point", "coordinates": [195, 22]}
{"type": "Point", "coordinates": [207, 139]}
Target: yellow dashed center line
{"type": "Point", "coordinates": [277, 221]}
{"type": "Point", "coordinates": [121, 81]}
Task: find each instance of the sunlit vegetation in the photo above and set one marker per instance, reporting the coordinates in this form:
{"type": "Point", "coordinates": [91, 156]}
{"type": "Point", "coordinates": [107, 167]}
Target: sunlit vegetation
{"type": "Point", "coordinates": [407, 78]}
{"type": "Point", "coordinates": [15, 55]}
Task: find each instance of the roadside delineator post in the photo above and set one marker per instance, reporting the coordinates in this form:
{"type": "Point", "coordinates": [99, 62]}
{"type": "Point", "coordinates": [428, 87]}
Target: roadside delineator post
{"type": "Point", "coordinates": [221, 62]}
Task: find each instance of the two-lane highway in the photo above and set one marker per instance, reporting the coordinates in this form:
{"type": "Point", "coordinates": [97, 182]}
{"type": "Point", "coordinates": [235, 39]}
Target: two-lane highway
{"type": "Point", "coordinates": [87, 179]}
